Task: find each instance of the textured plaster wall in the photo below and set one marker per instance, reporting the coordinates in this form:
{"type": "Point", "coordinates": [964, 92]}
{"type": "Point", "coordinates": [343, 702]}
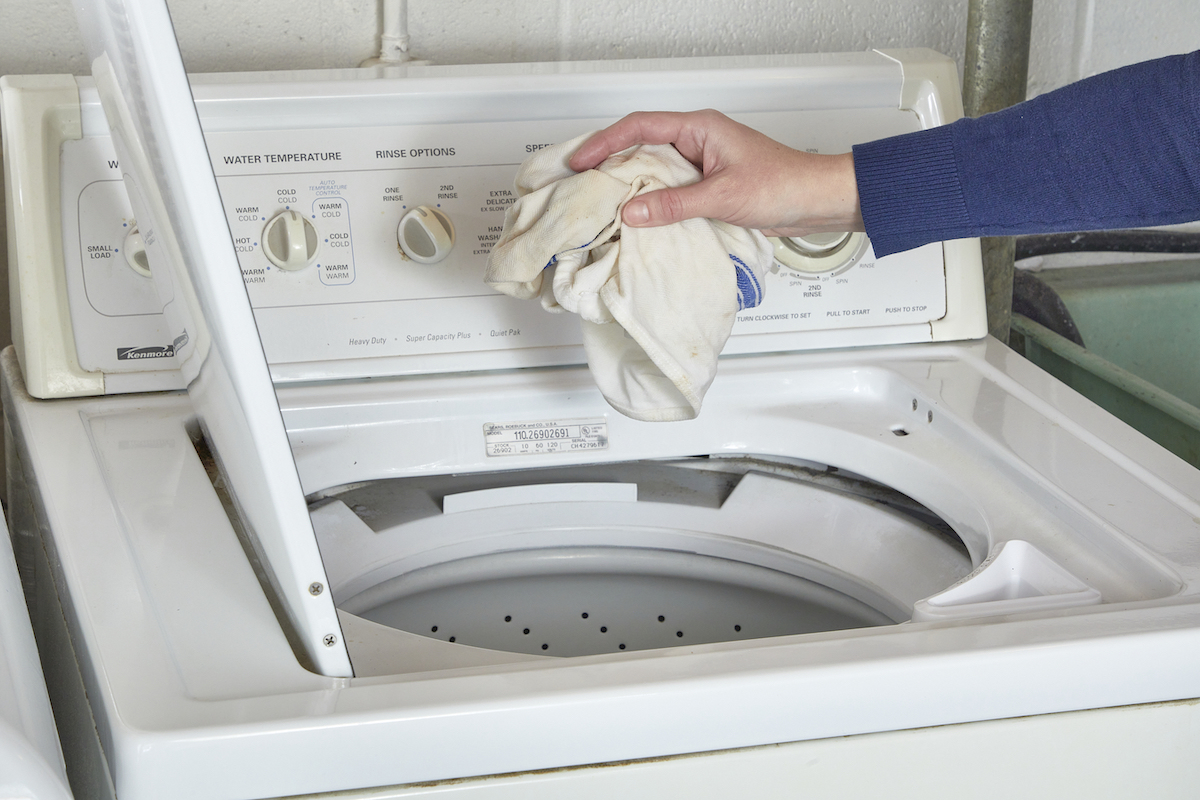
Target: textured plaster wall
{"type": "Point", "coordinates": [1071, 39]}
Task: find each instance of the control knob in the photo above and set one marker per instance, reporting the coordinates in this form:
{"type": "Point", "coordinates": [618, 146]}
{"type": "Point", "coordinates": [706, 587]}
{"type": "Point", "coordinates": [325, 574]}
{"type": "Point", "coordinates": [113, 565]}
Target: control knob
{"type": "Point", "coordinates": [290, 241]}
{"type": "Point", "coordinates": [819, 252]}
{"type": "Point", "coordinates": [135, 252]}
{"type": "Point", "coordinates": [425, 234]}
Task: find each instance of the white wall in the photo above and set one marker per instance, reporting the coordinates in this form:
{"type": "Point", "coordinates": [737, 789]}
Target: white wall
{"type": "Point", "coordinates": [1072, 38]}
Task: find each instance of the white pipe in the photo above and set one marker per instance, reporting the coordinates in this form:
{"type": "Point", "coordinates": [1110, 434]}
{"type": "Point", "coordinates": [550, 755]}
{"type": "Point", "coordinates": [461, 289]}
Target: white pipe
{"type": "Point", "coordinates": [393, 44]}
{"type": "Point", "coordinates": [1085, 27]}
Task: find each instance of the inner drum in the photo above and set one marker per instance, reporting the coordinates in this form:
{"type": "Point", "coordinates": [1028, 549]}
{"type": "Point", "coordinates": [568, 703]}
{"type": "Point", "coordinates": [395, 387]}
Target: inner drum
{"type": "Point", "coordinates": [601, 594]}
{"type": "Point", "coordinates": [584, 601]}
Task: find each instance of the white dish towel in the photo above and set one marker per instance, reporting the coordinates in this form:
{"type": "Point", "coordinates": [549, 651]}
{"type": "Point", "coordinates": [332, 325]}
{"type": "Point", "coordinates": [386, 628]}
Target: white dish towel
{"type": "Point", "coordinates": [656, 304]}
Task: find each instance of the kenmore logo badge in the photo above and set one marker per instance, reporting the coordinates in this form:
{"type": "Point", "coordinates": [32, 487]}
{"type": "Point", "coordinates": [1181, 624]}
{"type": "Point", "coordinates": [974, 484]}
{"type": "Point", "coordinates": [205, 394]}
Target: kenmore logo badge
{"type": "Point", "coordinates": [129, 353]}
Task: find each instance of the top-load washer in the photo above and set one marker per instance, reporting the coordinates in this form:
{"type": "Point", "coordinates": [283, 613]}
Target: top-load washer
{"type": "Point", "coordinates": [31, 762]}
{"type": "Point", "coordinates": [886, 542]}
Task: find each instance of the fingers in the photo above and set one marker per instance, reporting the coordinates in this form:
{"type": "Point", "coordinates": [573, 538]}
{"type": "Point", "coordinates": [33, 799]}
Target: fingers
{"type": "Point", "coordinates": [653, 127]}
{"type": "Point", "coordinates": [685, 130]}
{"type": "Point", "coordinates": [664, 206]}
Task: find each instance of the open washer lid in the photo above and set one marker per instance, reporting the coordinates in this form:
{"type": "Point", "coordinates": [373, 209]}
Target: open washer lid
{"type": "Point", "coordinates": [166, 170]}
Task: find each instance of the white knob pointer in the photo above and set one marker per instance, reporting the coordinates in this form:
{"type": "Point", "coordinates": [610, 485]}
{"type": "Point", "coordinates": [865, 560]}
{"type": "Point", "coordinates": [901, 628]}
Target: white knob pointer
{"type": "Point", "coordinates": [426, 235]}
{"type": "Point", "coordinates": [290, 241]}
{"type": "Point", "coordinates": [135, 252]}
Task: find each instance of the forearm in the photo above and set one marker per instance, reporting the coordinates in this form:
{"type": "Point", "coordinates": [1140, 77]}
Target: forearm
{"type": "Point", "coordinates": [1121, 149]}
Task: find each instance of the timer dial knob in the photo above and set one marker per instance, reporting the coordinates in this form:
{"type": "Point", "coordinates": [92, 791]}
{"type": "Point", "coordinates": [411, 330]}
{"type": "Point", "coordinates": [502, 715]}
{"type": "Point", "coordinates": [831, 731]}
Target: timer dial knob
{"type": "Point", "coordinates": [426, 235]}
{"type": "Point", "coordinates": [290, 241]}
{"type": "Point", "coordinates": [819, 252]}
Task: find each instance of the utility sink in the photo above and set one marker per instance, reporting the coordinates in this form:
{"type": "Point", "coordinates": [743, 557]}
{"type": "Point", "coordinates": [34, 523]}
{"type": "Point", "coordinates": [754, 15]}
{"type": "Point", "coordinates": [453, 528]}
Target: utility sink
{"type": "Point", "coordinates": [1140, 325]}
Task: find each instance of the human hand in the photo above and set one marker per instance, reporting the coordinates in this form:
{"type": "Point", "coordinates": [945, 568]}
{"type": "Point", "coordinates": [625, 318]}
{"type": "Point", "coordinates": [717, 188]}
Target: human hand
{"type": "Point", "coordinates": [749, 179]}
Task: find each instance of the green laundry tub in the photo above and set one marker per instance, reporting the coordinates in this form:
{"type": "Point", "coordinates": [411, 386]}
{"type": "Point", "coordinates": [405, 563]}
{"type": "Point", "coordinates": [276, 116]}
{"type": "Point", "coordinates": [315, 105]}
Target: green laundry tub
{"type": "Point", "coordinates": [1141, 327]}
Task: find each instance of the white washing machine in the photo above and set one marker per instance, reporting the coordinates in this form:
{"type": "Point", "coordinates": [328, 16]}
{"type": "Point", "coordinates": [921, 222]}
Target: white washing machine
{"type": "Point", "coordinates": [404, 547]}
{"type": "Point", "coordinates": [31, 762]}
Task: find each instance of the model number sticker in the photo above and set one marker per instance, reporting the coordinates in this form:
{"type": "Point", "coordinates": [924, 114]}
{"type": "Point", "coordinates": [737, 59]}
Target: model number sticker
{"type": "Point", "coordinates": [545, 436]}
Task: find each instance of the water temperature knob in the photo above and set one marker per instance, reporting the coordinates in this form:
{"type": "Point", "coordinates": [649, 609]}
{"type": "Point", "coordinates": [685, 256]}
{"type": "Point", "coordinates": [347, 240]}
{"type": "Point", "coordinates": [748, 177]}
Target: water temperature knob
{"type": "Point", "coordinates": [426, 235]}
{"type": "Point", "coordinates": [290, 241]}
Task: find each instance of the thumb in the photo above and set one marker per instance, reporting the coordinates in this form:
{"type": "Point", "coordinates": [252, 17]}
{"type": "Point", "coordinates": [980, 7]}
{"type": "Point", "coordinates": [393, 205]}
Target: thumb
{"type": "Point", "coordinates": [664, 206]}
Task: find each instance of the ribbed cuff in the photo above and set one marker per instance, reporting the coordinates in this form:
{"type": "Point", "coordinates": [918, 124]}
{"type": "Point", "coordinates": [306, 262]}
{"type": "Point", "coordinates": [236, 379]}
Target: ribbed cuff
{"type": "Point", "coordinates": [909, 190]}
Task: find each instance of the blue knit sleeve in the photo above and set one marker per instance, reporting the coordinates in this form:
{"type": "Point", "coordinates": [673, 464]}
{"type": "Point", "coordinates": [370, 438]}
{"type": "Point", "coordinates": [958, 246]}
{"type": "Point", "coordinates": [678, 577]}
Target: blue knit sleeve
{"type": "Point", "coordinates": [1121, 149]}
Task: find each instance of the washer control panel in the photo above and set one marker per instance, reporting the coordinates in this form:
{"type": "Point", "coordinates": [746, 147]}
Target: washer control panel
{"type": "Point", "coordinates": [363, 252]}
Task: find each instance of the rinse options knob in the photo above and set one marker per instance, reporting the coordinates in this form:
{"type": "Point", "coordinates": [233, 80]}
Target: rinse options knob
{"type": "Point", "coordinates": [290, 241]}
{"type": "Point", "coordinates": [425, 234]}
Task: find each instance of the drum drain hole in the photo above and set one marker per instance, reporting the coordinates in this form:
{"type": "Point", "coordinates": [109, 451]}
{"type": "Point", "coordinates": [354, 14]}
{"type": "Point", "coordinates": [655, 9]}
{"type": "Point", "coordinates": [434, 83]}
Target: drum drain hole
{"type": "Point", "coordinates": [584, 615]}
{"type": "Point", "coordinates": [899, 431]}
{"type": "Point", "coordinates": [707, 598]}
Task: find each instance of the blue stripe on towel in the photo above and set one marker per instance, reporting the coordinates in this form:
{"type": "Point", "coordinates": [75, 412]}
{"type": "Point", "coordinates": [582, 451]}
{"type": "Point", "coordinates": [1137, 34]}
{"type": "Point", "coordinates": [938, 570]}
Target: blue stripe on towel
{"type": "Point", "coordinates": [749, 290]}
{"type": "Point", "coordinates": [554, 258]}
